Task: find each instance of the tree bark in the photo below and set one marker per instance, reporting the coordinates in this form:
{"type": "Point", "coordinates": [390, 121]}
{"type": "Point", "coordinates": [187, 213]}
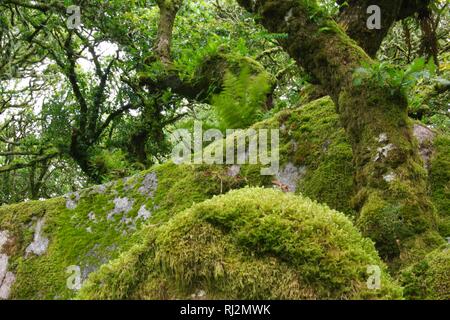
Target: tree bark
{"type": "Point", "coordinates": [391, 198]}
{"type": "Point", "coordinates": [353, 19]}
{"type": "Point", "coordinates": [168, 10]}
{"type": "Point", "coordinates": [429, 46]}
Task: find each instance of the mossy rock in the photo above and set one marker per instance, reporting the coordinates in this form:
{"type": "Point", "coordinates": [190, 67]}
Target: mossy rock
{"type": "Point", "coordinates": [89, 228]}
{"type": "Point", "coordinates": [429, 278]}
{"type": "Point", "coordinates": [252, 243]}
{"type": "Point", "coordinates": [79, 233]}
{"type": "Point", "coordinates": [439, 177]}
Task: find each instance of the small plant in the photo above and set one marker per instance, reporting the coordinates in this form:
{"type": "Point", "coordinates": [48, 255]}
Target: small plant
{"type": "Point", "coordinates": [398, 80]}
{"type": "Point", "coordinates": [111, 164]}
{"type": "Point", "coordinates": [191, 58]}
{"type": "Point", "coordinates": [240, 103]}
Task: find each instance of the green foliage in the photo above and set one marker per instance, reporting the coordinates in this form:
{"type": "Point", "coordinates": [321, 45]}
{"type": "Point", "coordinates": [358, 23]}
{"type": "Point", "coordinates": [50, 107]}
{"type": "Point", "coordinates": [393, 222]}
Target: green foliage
{"type": "Point", "coordinates": [398, 80]}
{"type": "Point", "coordinates": [251, 243]}
{"type": "Point", "coordinates": [191, 58]}
{"type": "Point", "coordinates": [111, 164]}
{"type": "Point", "coordinates": [428, 100]}
{"type": "Point", "coordinates": [240, 102]}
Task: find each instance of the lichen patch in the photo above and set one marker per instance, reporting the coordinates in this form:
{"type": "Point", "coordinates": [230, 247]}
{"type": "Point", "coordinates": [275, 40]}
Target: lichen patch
{"type": "Point", "coordinates": [289, 176]}
{"type": "Point", "coordinates": [149, 185]}
{"type": "Point", "coordinates": [6, 278]}
{"type": "Point", "coordinates": [143, 213]}
{"type": "Point", "coordinates": [40, 243]}
{"type": "Point", "coordinates": [72, 200]}
{"type": "Point", "coordinates": [383, 152]}
{"type": "Point", "coordinates": [121, 205]}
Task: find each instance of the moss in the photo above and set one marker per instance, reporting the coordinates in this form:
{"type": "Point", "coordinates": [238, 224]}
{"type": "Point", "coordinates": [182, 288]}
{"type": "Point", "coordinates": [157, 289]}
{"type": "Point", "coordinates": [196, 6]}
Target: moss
{"type": "Point", "coordinates": [74, 239]}
{"type": "Point", "coordinates": [390, 175]}
{"type": "Point", "coordinates": [89, 235]}
{"type": "Point", "coordinates": [311, 138]}
{"type": "Point", "coordinates": [429, 278]}
{"type": "Point", "coordinates": [440, 182]}
{"type": "Point", "coordinates": [318, 143]}
{"type": "Point", "coordinates": [211, 73]}
{"type": "Point", "coordinates": [195, 182]}
{"type": "Point", "coordinates": [247, 244]}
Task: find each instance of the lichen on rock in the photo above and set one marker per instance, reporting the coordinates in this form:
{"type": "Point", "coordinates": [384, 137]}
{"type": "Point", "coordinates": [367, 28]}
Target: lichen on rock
{"type": "Point", "coordinates": [289, 175]}
{"type": "Point", "coordinates": [40, 243]}
{"type": "Point", "coordinates": [149, 184]}
{"type": "Point", "coordinates": [7, 278]}
{"type": "Point", "coordinates": [72, 200]}
{"type": "Point", "coordinates": [121, 205]}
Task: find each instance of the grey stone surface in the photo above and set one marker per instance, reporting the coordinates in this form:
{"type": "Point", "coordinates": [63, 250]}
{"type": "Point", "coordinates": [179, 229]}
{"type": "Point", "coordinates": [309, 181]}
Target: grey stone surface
{"type": "Point", "coordinates": [121, 205]}
{"type": "Point", "coordinates": [72, 200]}
{"type": "Point", "coordinates": [3, 266]}
{"type": "Point", "coordinates": [423, 133]}
{"type": "Point", "coordinates": [143, 213]}
{"type": "Point", "coordinates": [289, 175]}
{"type": "Point", "coordinates": [40, 243]}
{"type": "Point", "coordinates": [3, 238]}
{"type": "Point", "coordinates": [149, 185]}
{"type": "Point", "coordinates": [425, 137]}
{"type": "Point", "coordinates": [6, 278]}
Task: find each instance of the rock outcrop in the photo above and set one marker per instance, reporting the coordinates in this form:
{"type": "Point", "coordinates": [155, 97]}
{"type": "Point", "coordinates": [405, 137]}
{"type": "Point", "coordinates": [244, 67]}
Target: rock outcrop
{"type": "Point", "coordinates": [136, 227]}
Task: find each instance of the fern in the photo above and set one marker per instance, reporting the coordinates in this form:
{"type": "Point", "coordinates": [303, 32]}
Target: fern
{"type": "Point", "coordinates": [398, 80]}
{"type": "Point", "coordinates": [241, 101]}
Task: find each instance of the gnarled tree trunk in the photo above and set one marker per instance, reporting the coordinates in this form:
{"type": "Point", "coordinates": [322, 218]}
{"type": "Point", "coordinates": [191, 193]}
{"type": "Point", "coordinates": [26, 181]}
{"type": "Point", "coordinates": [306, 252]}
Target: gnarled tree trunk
{"type": "Point", "coordinates": [353, 18]}
{"type": "Point", "coordinates": [394, 209]}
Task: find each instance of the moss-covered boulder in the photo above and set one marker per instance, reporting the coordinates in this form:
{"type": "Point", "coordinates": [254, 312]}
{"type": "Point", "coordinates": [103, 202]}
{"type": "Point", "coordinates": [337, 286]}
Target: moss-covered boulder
{"type": "Point", "coordinates": [47, 242]}
{"type": "Point", "coordinates": [248, 244]}
{"type": "Point", "coordinates": [44, 245]}
{"type": "Point", "coordinates": [429, 278]}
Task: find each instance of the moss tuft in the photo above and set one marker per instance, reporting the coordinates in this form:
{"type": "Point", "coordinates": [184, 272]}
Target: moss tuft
{"type": "Point", "coordinates": [440, 182]}
{"type": "Point", "coordinates": [429, 278]}
{"type": "Point", "coordinates": [251, 243]}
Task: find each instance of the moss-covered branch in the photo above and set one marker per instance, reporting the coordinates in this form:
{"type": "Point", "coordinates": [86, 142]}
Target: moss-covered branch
{"type": "Point", "coordinates": [209, 76]}
{"type": "Point", "coordinates": [35, 160]}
